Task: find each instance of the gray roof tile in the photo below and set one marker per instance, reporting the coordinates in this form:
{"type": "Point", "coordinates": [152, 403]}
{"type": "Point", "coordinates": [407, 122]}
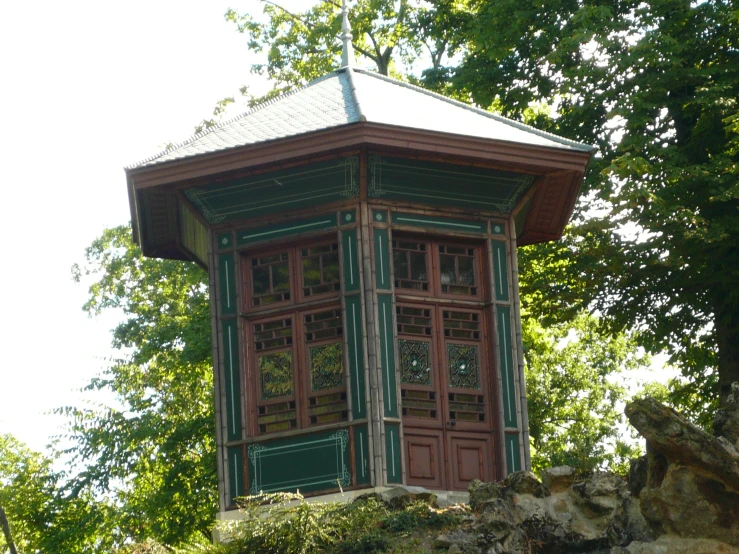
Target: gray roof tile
{"type": "Point", "coordinates": [349, 96]}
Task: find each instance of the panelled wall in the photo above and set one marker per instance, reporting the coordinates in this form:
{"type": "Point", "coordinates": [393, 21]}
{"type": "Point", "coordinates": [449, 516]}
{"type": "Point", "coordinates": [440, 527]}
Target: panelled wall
{"type": "Point", "coordinates": [290, 433]}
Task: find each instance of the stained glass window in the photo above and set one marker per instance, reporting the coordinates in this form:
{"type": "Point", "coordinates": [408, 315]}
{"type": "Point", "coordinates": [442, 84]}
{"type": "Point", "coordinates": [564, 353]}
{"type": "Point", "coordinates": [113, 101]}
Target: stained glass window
{"type": "Point", "coordinates": [270, 279]}
{"type": "Point", "coordinates": [326, 366]}
{"type": "Point", "coordinates": [457, 270]}
{"type": "Point", "coordinates": [320, 269]}
{"type": "Point", "coordinates": [464, 370]}
{"type": "Point", "coordinates": [275, 375]}
{"type": "Point", "coordinates": [409, 265]}
{"type": "Point", "coordinates": [415, 363]}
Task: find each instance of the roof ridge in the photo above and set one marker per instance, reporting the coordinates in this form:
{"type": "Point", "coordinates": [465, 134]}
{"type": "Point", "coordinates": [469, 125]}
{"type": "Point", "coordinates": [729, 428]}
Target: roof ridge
{"type": "Point", "coordinates": [355, 96]}
{"type": "Point", "coordinates": [480, 111]}
{"type": "Point", "coordinates": [192, 138]}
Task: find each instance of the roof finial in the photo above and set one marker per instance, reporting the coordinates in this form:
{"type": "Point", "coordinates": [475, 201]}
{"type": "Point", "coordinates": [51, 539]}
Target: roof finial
{"type": "Point", "coordinates": [347, 53]}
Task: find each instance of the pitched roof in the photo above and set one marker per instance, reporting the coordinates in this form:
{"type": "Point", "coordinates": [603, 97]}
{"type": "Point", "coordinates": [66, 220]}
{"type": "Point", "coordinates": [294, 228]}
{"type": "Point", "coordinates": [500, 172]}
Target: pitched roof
{"type": "Point", "coordinates": [349, 96]}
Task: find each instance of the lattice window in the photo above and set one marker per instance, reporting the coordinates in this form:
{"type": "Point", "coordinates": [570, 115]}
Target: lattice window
{"type": "Point", "coordinates": [461, 325]}
{"type": "Point", "coordinates": [466, 407]}
{"type": "Point", "coordinates": [464, 368]}
{"type": "Point", "coordinates": [321, 272]}
{"type": "Point", "coordinates": [327, 402]}
{"type": "Point", "coordinates": [413, 321]}
{"type": "Point", "coordinates": [273, 334]}
{"type": "Point", "coordinates": [277, 417]}
{"type": "Point", "coordinates": [415, 362]}
{"type": "Point", "coordinates": [270, 279]}
{"type": "Point", "coordinates": [322, 325]}
{"type": "Point", "coordinates": [418, 403]}
{"type": "Point", "coordinates": [329, 408]}
{"type": "Point", "coordinates": [297, 356]}
{"type": "Point", "coordinates": [410, 265]}
{"type": "Point", "coordinates": [457, 270]}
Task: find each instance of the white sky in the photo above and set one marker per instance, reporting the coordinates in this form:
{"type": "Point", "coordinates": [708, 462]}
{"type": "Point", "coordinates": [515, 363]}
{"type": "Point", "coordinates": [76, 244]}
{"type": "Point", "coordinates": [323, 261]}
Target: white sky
{"type": "Point", "coordinates": [85, 89]}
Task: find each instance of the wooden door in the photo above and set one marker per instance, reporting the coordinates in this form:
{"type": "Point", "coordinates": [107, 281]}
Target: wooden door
{"type": "Point", "coordinates": [445, 394]}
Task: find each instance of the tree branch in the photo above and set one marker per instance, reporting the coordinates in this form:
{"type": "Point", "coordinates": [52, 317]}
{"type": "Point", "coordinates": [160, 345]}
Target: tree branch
{"type": "Point", "coordinates": [6, 531]}
{"type": "Point", "coordinates": [288, 12]}
{"type": "Point", "coordinates": [299, 19]}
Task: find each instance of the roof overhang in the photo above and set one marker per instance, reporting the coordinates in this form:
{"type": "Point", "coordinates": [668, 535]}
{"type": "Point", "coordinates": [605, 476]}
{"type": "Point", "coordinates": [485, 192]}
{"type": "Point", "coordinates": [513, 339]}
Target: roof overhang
{"type": "Point", "coordinates": [560, 172]}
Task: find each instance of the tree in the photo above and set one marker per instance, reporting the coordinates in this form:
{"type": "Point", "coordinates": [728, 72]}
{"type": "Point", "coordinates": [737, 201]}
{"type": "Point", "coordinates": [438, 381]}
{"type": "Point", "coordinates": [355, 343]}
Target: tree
{"type": "Point", "coordinates": [40, 514]}
{"type": "Point", "coordinates": [574, 397]}
{"type": "Point", "coordinates": [654, 85]}
{"type": "Point", "coordinates": [302, 46]}
{"type": "Point", "coordinates": [154, 451]}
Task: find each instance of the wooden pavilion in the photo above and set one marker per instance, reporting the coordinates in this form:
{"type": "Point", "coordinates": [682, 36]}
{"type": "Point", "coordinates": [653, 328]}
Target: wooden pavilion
{"type": "Point", "coordinates": [360, 237]}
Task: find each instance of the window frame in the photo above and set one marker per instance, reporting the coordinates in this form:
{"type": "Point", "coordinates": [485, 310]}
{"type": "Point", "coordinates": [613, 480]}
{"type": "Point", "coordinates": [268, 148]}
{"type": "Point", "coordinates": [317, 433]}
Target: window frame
{"type": "Point", "coordinates": [295, 309]}
{"type": "Point", "coordinates": [433, 266]}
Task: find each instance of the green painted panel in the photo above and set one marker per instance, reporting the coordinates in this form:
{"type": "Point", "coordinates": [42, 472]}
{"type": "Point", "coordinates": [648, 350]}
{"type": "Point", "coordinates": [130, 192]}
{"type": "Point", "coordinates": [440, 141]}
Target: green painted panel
{"type": "Point", "coordinates": [292, 228]}
{"type": "Point", "coordinates": [231, 376]}
{"type": "Point", "coordinates": [361, 455]}
{"type": "Point", "coordinates": [512, 453]}
{"type": "Point", "coordinates": [228, 283]}
{"type": "Point", "coordinates": [500, 270]}
{"type": "Point", "coordinates": [307, 463]}
{"type": "Point", "coordinates": [382, 259]}
{"type": "Point", "coordinates": [505, 363]}
{"type": "Point", "coordinates": [392, 451]}
{"type": "Point", "coordinates": [351, 260]}
{"type": "Point", "coordinates": [380, 216]}
{"type": "Point", "coordinates": [356, 356]}
{"type": "Point", "coordinates": [235, 473]}
{"type": "Point", "coordinates": [277, 191]}
{"type": "Point", "coordinates": [425, 221]}
{"type": "Point", "coordinates": [387, 354]}
{"type": "Point", "coordinates": [225, 241]}
{"type": "Point", "coordinates": [497, 228]}
{"type": "Point", "coordinates": [444, 184]}
{"type": "Point", "coordinates": [348, 217]}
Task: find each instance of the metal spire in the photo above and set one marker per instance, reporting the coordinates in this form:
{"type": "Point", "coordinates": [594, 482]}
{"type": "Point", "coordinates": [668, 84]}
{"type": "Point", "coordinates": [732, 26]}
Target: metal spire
{"type": "Point", "coordinates": [347, 53]}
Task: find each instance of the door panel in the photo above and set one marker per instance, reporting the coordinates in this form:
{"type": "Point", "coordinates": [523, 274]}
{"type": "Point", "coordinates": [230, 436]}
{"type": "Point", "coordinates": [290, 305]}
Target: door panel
{"type": "Point", "coordinates": [444, 362]}
{"type": "Point", "coordinates": [470, 457]}
{"type": "Point", "coordinates": [466, 369]}
{"type": "Point", "coordinates": [424, 457]}
{"type": "Point", "coordinates": [419, 377]}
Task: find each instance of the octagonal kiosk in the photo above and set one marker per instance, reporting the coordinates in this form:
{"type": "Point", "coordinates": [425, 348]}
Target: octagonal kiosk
{"type": "Point", "coordinates": [360, 238]}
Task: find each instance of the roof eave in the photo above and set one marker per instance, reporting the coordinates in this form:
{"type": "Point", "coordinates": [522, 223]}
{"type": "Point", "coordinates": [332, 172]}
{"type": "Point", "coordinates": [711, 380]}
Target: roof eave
{"type": "Point", "coordinates": [538, 159]}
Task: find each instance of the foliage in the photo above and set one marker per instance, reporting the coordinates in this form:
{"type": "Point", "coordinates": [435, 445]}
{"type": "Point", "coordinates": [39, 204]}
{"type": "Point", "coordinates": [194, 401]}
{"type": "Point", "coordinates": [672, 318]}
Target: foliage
{"type": "Point", "coordinates": [284, 523]}
{"type": "Point", "coordinates": [41, 517]}
{"type": "Point", "coordinates": [418, 516]}
{"type": "Point", "coordinates": [154, 451]}
{"type": "Point", "coordinates": [654, 85]}
{"type": "Point", "coordinates": [574, 399]}
{"type": "Point", "coordinates": [303, 46]}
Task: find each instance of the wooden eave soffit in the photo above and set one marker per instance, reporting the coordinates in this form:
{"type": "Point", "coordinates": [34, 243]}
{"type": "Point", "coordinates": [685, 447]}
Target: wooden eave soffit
{"type": "Point", "coordinates": [561, 171]}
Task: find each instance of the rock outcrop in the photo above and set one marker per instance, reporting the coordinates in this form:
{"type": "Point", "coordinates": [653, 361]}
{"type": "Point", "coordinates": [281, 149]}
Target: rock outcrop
{"type": "Point", "coordinates": [691, 488]}
{"type": "Point", "coordinates": [681, 498]}
{"type": "Point", "coordinates": [578, 514]}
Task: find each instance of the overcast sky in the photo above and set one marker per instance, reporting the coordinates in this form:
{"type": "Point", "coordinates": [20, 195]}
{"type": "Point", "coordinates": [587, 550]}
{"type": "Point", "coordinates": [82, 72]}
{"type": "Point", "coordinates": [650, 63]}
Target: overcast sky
{"type": "Point", "coordinates": [85, 89]}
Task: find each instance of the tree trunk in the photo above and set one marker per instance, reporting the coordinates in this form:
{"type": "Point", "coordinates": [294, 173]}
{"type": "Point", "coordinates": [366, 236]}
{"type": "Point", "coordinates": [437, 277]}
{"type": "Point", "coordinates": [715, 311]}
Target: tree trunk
{"type": "Point", "coordinates": [726, 321]}
{"type": "Point", "coordinates": [6, 531]}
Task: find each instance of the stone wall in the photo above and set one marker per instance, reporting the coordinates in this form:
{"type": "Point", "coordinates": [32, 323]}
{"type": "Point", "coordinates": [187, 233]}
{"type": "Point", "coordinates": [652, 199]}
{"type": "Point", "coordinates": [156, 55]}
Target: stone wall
{"type": "Point", "coordinates": [681, 498]}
